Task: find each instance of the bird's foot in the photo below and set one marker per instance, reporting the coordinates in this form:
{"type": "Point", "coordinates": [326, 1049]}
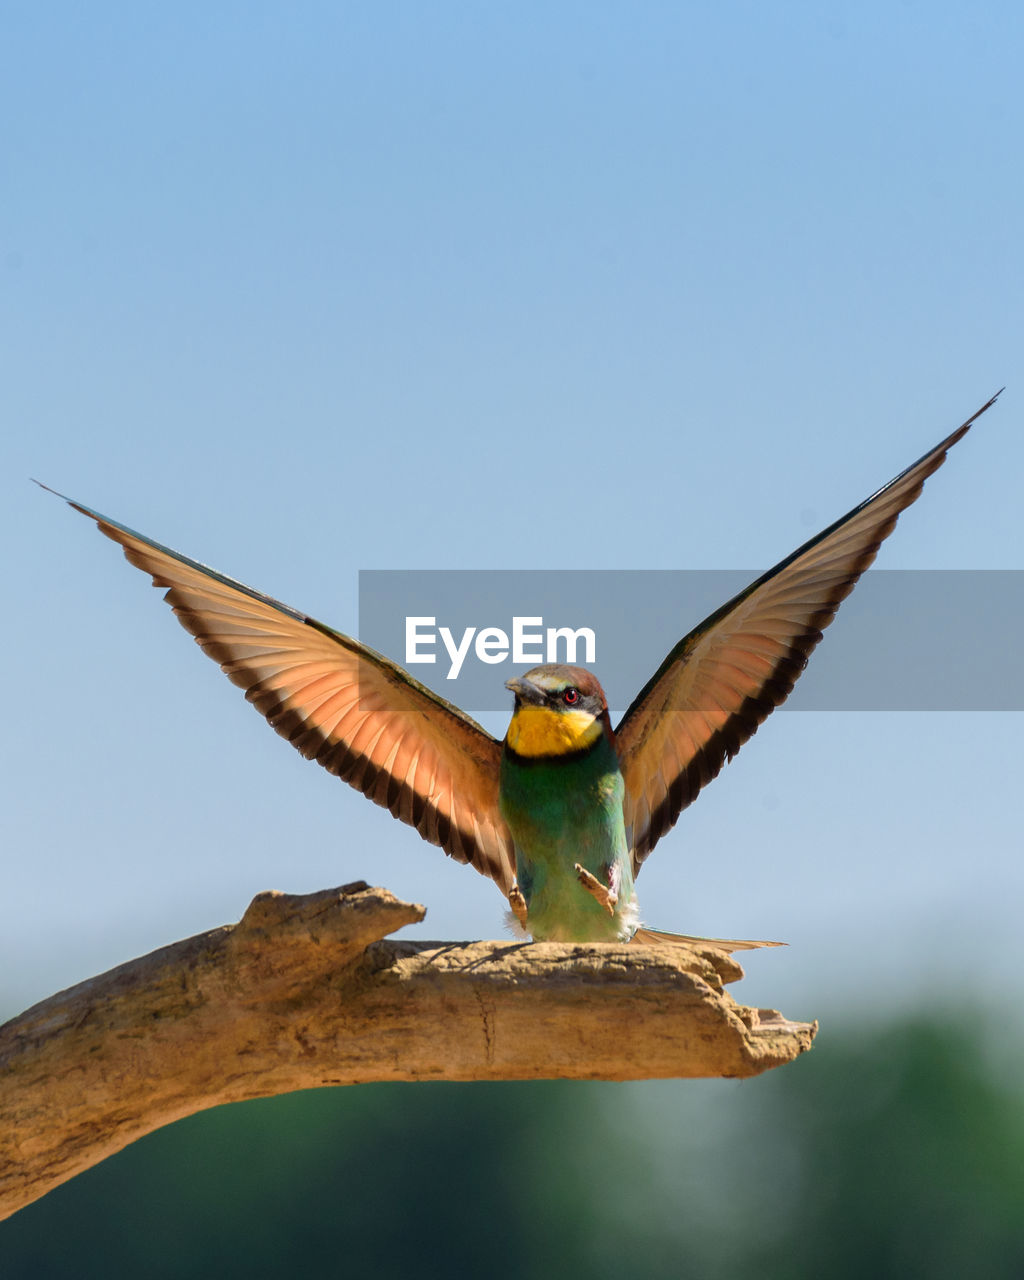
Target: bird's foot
{"type": "Point", "coordinates": [518, 904]}
{"type": "Point", "coordinates": [605, 896]}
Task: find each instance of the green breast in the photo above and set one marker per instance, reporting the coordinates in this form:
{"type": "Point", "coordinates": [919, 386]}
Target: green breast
{"type": "Point", "coordinates": [564, 810]}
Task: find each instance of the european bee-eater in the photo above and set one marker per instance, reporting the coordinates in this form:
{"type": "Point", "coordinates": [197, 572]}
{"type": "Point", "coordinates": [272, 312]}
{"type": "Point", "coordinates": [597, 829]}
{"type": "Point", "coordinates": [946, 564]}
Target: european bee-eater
{"type": "Point", "coordinates": [563, 812]}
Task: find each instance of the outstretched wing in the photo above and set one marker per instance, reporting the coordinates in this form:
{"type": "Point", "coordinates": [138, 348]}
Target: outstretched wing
{"type": "Point", "coordinates": [721, 681]}
{"type": "Point", "coordinates": [343, 705]}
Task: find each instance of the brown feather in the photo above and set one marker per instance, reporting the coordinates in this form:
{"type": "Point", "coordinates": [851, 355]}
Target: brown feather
{"type": "Point", "coordinates": [343, 705]}
{"type": "Point", "coordinates": [721, 681]}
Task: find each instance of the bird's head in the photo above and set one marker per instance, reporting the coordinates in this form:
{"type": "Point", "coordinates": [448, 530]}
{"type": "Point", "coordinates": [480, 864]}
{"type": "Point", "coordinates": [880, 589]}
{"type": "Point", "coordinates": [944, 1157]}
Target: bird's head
{"type": "Point", "coordinates": [559, 710]}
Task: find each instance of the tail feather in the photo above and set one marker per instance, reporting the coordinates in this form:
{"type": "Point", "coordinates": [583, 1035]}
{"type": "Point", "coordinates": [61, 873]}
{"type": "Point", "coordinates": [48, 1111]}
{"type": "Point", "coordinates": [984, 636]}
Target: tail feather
{"type": "Point", "coordinates": [655, 938]}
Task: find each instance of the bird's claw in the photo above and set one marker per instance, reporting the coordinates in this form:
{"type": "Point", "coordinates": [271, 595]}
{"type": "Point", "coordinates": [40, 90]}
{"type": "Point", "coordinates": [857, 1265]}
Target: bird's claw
{"type": "Point", "coordinates": [606, 897]}
{"type": "Point", "coordinates": [518, 904]}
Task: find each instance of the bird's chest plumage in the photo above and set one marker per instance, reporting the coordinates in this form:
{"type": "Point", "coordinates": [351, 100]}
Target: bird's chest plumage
{"type": "Point", "coordinates": [563, 811]}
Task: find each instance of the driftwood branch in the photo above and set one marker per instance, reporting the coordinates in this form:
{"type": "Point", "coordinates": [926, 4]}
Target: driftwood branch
{"type": "Point", "coordinates": [304, 991]}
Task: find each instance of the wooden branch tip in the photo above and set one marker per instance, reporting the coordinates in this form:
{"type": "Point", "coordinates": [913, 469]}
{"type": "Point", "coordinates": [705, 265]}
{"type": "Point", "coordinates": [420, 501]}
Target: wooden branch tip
{"type": "Point", "coordinates": [308, 990]}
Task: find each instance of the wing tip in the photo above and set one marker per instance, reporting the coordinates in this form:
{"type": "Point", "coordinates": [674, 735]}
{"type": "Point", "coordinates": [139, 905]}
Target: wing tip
{"type": "Point", "coordinates": [75, 506]}
{"type": "Point", "coordinates": [965, 427]}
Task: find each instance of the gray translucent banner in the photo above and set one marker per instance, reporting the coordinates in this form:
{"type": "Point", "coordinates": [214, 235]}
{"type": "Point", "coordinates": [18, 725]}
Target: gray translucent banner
{"type": "Point", "coordinates": [905, 640]}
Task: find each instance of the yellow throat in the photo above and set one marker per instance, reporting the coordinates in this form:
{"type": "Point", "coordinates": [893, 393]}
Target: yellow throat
{"type": "Point", "coordinates": [539, 731]}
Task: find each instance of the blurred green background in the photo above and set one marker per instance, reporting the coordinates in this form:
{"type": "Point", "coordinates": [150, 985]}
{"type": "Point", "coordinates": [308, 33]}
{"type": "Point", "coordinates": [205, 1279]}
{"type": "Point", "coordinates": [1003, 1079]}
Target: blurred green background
{"type": "Point", "coordinates": [892, 1149]}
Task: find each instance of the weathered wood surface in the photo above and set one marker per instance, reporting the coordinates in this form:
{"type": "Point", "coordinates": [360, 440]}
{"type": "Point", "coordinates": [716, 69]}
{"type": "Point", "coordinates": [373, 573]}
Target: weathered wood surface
{"type": "Point", "coordinates": [305, 991]}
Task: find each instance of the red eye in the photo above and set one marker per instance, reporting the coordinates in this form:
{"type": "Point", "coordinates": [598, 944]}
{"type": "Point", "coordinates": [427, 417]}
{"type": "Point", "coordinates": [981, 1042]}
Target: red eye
{"type": "Point", "coordinates": [571, 696]}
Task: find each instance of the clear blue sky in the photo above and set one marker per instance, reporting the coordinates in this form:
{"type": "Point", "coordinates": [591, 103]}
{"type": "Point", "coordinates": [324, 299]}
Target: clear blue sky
{"type": "Point", "coordinates": [308, 289]}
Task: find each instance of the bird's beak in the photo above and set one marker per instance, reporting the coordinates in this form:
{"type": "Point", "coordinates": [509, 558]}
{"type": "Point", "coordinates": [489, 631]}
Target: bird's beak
{"type": "Point", "coordinates": [524, 689]}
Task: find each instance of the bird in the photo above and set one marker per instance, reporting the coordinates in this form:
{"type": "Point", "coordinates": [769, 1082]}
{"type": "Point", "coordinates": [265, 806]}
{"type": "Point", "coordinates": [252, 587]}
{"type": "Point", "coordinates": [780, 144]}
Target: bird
{"type": "Point", "coordinates": [563, 811]}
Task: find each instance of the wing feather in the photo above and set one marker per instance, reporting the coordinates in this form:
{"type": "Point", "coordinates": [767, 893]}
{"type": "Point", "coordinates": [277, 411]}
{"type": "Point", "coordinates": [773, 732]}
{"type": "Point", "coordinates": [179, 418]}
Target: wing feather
{"type": "Point", "coordinates": [338, 702]}
{"type": "Point", "coordinates": [722, 680]}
